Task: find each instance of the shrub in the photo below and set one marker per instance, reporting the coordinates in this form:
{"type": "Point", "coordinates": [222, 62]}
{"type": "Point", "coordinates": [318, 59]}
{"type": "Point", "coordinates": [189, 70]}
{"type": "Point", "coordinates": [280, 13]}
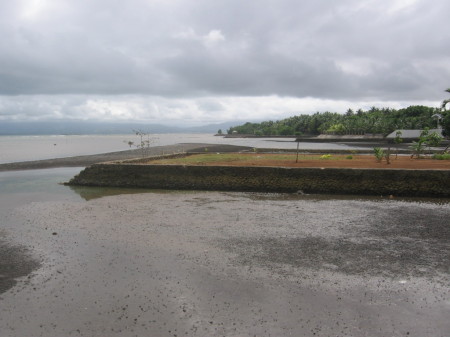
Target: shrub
{"type": "Point", "coordinates": [325, 156]}
{"type": "Point", "coordinates": [379, 153]}
{"type": "Point", "coordinates": [426, 139]}
{"type": "Point", "coordinates": [443, 156]}
{"type": "Point", "coordinates": [349, 157]}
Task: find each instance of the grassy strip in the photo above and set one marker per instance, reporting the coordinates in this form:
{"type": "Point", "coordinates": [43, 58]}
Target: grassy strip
{"type": "Point", "coordinates": [444, 156]}
{"type": "Point", "coordinates": [241, 157]}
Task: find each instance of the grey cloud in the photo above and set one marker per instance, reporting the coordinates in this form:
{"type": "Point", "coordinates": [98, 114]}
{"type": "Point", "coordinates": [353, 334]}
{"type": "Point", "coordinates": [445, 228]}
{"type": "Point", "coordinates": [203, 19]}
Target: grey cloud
{"type": "Point", "coordinates": [210, 105]}
{"type": "Point", "coordinates": [285, 48]}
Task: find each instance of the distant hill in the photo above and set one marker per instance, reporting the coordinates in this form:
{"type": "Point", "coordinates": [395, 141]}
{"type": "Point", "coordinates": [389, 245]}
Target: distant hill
{"type": "Point", "coordinates": [212, 128]}
{"type": "Point", "coordinates": [70, 127]}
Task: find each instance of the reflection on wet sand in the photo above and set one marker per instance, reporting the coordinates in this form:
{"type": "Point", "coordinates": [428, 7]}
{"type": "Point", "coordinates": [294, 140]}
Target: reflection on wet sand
{"type": "Point", "coordinates": [224, 264]}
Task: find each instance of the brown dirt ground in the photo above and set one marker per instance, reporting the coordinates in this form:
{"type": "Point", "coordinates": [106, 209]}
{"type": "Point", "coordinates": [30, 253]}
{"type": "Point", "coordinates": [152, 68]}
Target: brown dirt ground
{"type": "Point", "coordinates": [358, 161]}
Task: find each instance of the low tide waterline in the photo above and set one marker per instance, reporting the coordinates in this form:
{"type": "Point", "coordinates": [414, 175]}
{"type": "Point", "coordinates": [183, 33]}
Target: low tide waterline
{"type": "Point", "coordinates": [134, 262]}
{"type": "Point", "coordinates": [27, 148]}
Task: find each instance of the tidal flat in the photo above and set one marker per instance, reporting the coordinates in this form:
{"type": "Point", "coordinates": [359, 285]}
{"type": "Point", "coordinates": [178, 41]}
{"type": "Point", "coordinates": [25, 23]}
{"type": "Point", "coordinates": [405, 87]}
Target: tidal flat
{"type": "Point", "coordinates": [229, 264]}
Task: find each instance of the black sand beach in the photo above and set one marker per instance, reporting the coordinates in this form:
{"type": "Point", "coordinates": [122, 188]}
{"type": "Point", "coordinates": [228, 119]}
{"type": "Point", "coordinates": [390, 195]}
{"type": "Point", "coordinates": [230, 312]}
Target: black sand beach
{"type": "Point", "coordinates": [79, 161]}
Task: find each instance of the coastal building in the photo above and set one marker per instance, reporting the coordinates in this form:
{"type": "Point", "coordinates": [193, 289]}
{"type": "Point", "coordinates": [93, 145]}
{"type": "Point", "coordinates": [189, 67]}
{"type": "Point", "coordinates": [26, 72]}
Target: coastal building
{"type": "Point", "coordinates": [409, 136]}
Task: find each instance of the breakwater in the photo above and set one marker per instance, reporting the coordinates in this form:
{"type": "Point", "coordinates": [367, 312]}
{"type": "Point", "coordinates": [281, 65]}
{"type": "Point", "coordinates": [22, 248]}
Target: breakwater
{"type": "Point", "coordinates": [417, 183]}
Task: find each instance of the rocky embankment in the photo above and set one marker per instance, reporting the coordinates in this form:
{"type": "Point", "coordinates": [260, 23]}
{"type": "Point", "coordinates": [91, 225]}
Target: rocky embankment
{"type": "Point", "coordinates": [418, 183]}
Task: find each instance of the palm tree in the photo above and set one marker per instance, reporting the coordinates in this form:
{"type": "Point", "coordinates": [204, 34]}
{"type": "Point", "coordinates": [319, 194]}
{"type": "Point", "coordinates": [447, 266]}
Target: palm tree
{"type": "Point", "coordinates": [446, 119]}
{"type": "Point", "coordinates": [445, 101]}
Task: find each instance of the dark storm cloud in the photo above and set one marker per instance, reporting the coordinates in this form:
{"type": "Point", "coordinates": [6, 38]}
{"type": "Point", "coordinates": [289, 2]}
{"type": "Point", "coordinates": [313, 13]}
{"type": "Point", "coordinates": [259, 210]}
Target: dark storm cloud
{"type": "Point", "coordinates": [346, 50]}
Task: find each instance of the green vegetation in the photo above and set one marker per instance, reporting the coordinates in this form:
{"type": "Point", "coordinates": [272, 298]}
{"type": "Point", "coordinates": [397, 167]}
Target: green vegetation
{"type": "Point", "coordinates": [397, 140]}
{"type": "Point", "coordinates": [441, 156]}
{"type": "Point", "coordinates": [375, 120]}
{"type": "Point", "coordinates": [379, 153]}
{"type": "Point", "coordinates": [207, 158]}
{"type": "Point", "coordinates": [445, 101]}
{"type": "Point", "coordinates": [426, 139]}
{"type": "Point", "coordinates": [445, 121]}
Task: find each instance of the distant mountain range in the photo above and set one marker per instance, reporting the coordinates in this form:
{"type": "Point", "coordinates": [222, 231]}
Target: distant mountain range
{"type": "Point", "coordinates": [70, 127]}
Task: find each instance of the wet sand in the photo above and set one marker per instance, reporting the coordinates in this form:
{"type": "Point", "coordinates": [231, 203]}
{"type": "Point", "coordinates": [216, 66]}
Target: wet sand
{"type": "Point", "coordinates": [230, 264]}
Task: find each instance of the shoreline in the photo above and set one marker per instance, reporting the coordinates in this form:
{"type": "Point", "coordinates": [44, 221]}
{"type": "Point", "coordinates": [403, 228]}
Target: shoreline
{"type": "Point", "coordinates": [87, 160]}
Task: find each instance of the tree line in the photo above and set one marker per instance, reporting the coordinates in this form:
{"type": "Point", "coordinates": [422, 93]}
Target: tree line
{"type": "Point", "coordinates": [375, 121]}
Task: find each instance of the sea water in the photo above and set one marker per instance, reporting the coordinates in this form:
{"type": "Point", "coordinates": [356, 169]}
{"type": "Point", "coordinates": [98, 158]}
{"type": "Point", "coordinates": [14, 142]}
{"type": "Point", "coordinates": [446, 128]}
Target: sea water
{"type": "Point", "coordinates": [26, 148]}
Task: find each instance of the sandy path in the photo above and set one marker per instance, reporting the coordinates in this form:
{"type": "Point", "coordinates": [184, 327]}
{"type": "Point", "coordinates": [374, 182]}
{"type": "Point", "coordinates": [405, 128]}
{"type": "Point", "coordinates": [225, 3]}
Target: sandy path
{"type": "Point", "coordinates": [231, 264]}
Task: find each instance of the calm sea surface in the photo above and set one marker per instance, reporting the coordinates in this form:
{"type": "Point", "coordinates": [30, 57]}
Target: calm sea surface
{"type": "Point", "coordinates": [24, 148]}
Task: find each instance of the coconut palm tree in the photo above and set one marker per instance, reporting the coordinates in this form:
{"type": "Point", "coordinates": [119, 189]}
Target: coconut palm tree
{"type": "Point", "coordinates": [446, 119]}
{"type": "Point", "coordinates": [445, 101]}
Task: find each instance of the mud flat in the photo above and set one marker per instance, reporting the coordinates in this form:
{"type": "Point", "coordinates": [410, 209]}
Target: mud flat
{"type": "Point", "coordinates": [231, 264]}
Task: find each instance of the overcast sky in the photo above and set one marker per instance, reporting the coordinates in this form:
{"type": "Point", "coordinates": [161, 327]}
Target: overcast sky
{"type": "Point", "coordinates": [205, 61]}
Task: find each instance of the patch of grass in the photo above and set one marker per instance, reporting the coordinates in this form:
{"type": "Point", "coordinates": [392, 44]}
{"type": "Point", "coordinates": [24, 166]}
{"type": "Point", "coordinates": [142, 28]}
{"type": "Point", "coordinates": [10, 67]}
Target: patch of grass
{"type": "Point", "coordinates": [208, 158]}
{"type": "Point", "coordinates": [199, 158]}
{"type": "Point", "coordinates": [349, 157]}
{"type": "Point", "coordinates": [443, 156]}
{"type": "Point", "coordinates": [222, 157]}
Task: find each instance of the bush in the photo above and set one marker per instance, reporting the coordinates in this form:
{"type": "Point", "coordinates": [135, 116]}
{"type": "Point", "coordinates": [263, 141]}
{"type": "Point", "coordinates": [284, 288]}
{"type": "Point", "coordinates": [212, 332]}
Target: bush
{"type": "Point", "coordinates": [379, 153]}
{"type": "Point", "coordinates": [443, 156]}
{"type": "Point", "coordinates": [349, 157]}
{"type": "Point", "coordinates": [325, 156]}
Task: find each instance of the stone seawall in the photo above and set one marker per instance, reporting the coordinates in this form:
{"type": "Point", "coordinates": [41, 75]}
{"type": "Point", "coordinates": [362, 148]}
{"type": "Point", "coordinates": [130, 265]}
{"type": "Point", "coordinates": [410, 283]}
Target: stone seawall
{"type": "Point", "coordinates": [418, 183]}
